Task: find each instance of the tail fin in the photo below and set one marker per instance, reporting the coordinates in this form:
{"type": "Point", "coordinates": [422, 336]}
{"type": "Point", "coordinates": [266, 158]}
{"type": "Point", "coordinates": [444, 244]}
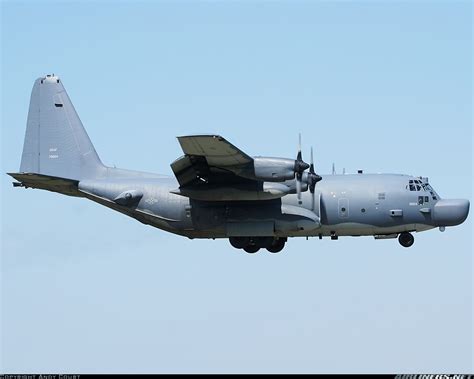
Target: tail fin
{"type": "Point", "coordinates": [56, 143]}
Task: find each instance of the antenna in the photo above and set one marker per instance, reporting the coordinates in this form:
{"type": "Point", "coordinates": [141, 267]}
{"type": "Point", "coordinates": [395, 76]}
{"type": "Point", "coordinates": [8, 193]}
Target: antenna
{"type": "Point", "coordinates": [333, 169]}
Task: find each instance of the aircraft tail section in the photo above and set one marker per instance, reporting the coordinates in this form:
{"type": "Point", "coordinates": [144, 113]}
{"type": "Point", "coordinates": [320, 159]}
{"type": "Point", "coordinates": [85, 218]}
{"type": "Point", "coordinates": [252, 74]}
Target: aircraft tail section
{"type": "Point", "coordinates": [56, 143]}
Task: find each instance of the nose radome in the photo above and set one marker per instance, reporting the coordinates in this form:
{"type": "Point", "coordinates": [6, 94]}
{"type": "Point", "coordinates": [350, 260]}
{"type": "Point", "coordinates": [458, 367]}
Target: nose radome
{"type": "Point", "coordinates": [450, 212]}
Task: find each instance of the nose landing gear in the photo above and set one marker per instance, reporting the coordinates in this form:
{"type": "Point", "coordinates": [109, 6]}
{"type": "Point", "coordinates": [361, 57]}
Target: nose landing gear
{"type": "Point", "coordinates": [406, 239]}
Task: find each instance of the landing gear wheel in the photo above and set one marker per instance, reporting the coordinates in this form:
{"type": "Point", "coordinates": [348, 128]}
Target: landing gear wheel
{"type": "Point", "coordinates": [276, 246]}
{"type": "Point", "coordinates": [251, 249]}
{"type": "Point", "coordinates": [406, 239]}
{"type": "Point", "coordinates": [239, 242]}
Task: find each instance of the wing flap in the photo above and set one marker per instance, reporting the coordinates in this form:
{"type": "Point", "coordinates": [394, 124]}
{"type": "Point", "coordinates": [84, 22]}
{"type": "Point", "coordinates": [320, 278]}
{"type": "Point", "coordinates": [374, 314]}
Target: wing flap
{"type": "Point", "coordinates": [183, 170]}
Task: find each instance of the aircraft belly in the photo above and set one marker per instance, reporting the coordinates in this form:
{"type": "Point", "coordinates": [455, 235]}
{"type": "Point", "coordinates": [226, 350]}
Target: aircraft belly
{"type": "Point", "coordinates": [355, 229]}
{"type": "Point", "coordinates": [268, 218]}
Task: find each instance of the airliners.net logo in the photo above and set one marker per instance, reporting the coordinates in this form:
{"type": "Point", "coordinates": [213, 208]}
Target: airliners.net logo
{"type": "Point", "coordinates": [433, 376]}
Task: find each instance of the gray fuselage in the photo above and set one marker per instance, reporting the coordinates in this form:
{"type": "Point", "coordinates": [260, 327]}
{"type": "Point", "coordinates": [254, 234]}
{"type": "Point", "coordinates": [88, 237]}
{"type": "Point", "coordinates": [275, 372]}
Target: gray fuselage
{"type": "Point", "coordinates": [347, 205]}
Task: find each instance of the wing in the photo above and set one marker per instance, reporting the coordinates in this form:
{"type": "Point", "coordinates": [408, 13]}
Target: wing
{"type": "Point", "coordinates": [213, 169]}
{"type": "Point", "coordinates": [218, 151]}
{"type": "Point", "coordinates": [209, 159]}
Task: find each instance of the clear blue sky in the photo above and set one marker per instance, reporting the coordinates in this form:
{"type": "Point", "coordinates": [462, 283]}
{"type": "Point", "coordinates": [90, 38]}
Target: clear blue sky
{"type": "Point", "coordinates": [381, 86]}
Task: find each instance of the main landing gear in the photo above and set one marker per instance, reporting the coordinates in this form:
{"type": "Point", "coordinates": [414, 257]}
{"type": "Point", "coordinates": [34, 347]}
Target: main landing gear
{"type": "Point", "coordinates": [253, 244]}
{"type": "Point", "coordinates": [406, 239]}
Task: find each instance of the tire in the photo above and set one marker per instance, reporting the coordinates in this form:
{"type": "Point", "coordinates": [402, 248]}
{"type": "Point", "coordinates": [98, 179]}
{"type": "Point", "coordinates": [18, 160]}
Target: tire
{"type": "Point", "coordinates": [276, 246]}
{"type": "Point", "coordinates": [239, 242]}
{"type": "Point", "coordinates": [406, 239]}
{"type": "Point", "coordinates": [251, 249]}
{"type": "Point", "coordinates": [263, 242]}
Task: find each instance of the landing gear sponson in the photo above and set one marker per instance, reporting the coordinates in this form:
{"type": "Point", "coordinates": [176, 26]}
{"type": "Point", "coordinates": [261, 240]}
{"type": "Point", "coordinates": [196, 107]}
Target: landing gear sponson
{"type": "Point", "coordinates": [253, 244]}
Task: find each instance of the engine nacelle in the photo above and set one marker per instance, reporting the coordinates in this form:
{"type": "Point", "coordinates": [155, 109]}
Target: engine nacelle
{"type": "Point", "coordinates": [273, 169]}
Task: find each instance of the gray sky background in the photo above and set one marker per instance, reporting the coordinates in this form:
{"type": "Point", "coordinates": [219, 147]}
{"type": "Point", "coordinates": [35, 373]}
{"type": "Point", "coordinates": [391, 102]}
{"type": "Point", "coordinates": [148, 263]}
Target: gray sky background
{"type": "Point", "coordinates": [379, 86]}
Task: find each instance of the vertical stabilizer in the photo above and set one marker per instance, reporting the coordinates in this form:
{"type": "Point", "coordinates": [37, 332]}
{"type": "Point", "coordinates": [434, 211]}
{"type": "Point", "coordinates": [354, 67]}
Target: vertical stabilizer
{"type": "Point", "coordinates": [56, 142]}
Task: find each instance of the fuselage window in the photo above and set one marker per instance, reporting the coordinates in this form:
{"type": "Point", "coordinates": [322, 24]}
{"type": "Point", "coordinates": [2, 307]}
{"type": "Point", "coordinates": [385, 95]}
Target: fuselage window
{"type": "Point", "coordinates": [420, 200]}
{"type": "Point", "coordinates": [427, 199]}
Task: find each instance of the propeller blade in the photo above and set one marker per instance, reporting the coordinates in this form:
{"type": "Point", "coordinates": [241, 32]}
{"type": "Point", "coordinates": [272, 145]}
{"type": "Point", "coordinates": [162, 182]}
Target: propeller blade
{"type": "Point", "coordinates": [311, 183]}
{"type": "Point", "coordinates": [313, 178]}
{"type": "Point", "coordinates": [299, 143]}
{"type": "Point", "coordinates": [298, 190]}
{"type": "Point", "coordinates": [300, 165]}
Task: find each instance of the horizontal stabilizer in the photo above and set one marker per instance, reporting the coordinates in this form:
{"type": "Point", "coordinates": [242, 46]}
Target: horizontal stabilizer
{"type": "Point", "coordinates": [46, 182]}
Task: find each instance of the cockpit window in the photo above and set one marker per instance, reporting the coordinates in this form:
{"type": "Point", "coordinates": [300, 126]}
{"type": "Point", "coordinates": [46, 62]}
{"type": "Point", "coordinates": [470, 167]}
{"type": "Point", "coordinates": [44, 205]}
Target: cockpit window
{"type": "Point", "coordinates": [429, 189]}
{"type": "Point", "coordinates": [414, 185]}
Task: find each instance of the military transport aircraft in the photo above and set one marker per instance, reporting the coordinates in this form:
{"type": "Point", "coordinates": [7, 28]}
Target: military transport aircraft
{"type": "Point", "coordinates": [221, 192]}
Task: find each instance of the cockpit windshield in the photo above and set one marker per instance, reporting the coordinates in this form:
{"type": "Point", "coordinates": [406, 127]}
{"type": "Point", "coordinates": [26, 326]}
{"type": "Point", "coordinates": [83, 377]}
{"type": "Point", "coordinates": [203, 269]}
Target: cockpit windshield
{"type": "Point", "coordinates": [414, 185]}
{"type": "Point", "coordinates": [419, 185]}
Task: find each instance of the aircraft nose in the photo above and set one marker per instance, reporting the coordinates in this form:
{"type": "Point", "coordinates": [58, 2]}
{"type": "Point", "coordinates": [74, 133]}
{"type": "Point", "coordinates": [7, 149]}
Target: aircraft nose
{"type": "Point", "coordinates": [448, 212]}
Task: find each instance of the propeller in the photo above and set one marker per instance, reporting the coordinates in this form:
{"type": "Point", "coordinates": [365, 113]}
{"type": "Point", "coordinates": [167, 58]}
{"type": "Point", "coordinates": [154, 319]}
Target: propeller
{"type": "Point", "coordinates": [300, 167]}
{"type": "Point", "coordinates": [313, 178]}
